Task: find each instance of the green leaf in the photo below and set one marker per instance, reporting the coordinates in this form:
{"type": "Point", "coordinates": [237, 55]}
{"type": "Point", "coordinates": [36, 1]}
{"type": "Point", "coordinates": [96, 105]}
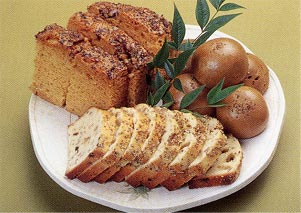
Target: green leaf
{"type": "Point", "coordinates": [216, 94]}
{"type": "Point", "coordinates": [202, 13]}
{"type": "Point", "coordinates": [172, 45]}
{"type": "Point", "coordinates": [224, 93]}
{"type": "Point", "coordinates": [150, 99]}
{"type": "Point", "coordinates": [178, 28]}
{"type": "Point", "coordinates": [196, 114]}
{"type": "Point", "coordinates": [217, 105]}
{"type": "Point", "coordinates": [190, 97]}
{"type": "Point", "coordinates": [219, 21]}
{"type": "Point", "coordinates": [186, 45]}
{"type": "Point", "coordinates": [214, 91]}
{"type": "Point", "coordinates": [160, 93]}
{"type": "Point", "coordinates": [168, 104]}
{"type": "Point", "coordinates": [169, 69]}
{"type": "Point", "coordinates": [161, 56]}
{"type": "Point", "coordinates": [185, 111]}
{"type": "Point", "coordinates": [216, 3]}
{"type": "Point", "coordinates": [181, 61]}
{"type": "Point", "coordinates": [167, 97]}
{"type": "Point", "coordinates": [172, 60]}
{"type": "Point", "coordinates": [178, 85]}
{"type": "Point", "coordinates": [230, 6]}
{"type": "Point", "coordinates": [159, 80]}
{"type": "Point", "coordinates": [202, 39]}
{"type": "Point", "coordinates": [150, 65]}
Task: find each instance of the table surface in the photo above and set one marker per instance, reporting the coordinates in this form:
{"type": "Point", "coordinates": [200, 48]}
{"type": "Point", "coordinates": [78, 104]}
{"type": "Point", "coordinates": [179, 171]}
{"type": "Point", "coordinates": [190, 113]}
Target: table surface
{"type": "Point", "coordinates": [271, 29]}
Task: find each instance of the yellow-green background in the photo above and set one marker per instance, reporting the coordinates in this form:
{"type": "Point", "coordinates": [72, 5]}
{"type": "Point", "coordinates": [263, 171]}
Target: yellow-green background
{"type": "Point", "coordinates": [270, 28]}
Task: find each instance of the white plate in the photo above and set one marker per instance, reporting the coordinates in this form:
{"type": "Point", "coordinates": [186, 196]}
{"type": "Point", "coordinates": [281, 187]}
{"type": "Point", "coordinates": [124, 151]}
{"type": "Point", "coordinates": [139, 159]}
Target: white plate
{"type": "Point", "coordinates": [48, 124]}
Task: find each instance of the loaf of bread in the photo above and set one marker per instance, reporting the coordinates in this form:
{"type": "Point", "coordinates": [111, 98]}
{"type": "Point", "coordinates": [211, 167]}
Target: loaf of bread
{"type": "Point", "coordinates": [175, 148]}
{"type": "Point", "coordinates": [71, 73]}
{"type": "Point", "coordinates": [116, 42]}
{"type": "Point", "coordinates": [225, 170]}
{"type": "Point", "coordinates": [145, 26]}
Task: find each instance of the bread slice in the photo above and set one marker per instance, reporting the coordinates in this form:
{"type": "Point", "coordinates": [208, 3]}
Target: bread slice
{"type": "Point", "coordinates": [148, 173]}
{"type": "Point", "coordinates": [142, 24]}
{"type": "Point", "coordinates": [89, 139]}
{"type": "Point", "coordinates": [195, 136]}
{"type": "Point", "coordinates": [116, 42]}
{"type": "Point", "coordinates": [225, 170]}
{"type": "Point", "coordinates": [156, 130]}
{"type": "Point", "coordinates": [140, 133]}
{"type": "Point", "coordinates": [215, 140]}
{"type": "Point", "coordinates": [116, 150]}
{"type": "Point", "coordinates": [71, 73]}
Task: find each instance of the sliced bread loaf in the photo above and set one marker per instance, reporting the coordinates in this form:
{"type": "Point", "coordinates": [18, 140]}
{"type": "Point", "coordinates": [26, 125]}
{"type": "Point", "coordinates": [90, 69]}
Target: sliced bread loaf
{"type": "Point", "coordinates": [116, 42]}
{"type": "Point", "coordinates": [89, 139]}
{"type": "Point", "coordinates": [195, 136]}
{"type": "Point", "coordinates": [139, 135]}
{"type": "Point", "coordinates": [124, 122]}
{"type": "Point", "coordinates": [156, 130]}
{"type": "Point", "coordinates": [148, 173]}
{"type": "Point", "coordinates": [142, 24]}
{"type": "Point", "coordinates": [71, 73]}
{"type": "Point", "coordinates": [225, 170]}
{"type": "Point", "coordinates": [215, 140]}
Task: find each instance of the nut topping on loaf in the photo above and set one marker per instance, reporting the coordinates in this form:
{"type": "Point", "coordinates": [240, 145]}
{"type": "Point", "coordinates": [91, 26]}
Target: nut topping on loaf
{"type": "Point", "coordinates": [140, 23]}
{"type": "Point", "coordinates": [118, 43]}
{"type": "Point", "coordinates": [71, 73]}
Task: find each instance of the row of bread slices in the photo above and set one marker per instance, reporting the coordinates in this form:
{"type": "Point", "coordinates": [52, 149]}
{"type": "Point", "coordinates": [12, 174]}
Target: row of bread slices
{"type": "Point", "coordinates": [151, 146]}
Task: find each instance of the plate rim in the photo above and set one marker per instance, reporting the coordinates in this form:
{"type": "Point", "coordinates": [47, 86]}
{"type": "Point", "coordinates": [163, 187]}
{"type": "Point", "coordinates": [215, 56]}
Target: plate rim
{"type": "Point", "coordinates": [87, 196]}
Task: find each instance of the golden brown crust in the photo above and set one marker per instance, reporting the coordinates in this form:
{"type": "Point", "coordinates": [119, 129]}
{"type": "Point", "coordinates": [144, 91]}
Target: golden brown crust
{"type": "Point", "coordinates": [215, 140]}
{"type": "Point", "coordinates": [151, 26]}
{"type": "Point", "coordinates": [72, 73]}
{"type": "Point", "coordinates": [118, 43]}
{"type": "Point", "coordinates": [225, 170]}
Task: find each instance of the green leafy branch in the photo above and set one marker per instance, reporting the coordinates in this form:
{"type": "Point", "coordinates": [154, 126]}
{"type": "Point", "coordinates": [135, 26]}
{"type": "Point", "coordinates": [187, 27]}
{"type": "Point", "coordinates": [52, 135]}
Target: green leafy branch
{"type": "Point", "coordinates": [173, 67]}
{"type": "Point", "coordinates": [210, 25]}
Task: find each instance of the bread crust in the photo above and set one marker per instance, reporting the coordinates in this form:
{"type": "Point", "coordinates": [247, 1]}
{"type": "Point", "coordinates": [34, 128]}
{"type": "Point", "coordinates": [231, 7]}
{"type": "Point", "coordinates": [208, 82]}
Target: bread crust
{"type": "Point", "coordinates": [225, 170]}
{"type": "Point", "coordinates": [151, 26]}
{"type": "Point", "coordinates": [72, 73]}
{"type": "Point", "coordinates": [215, 140]}
{"type": "Point", "coordinates": [116, 42]}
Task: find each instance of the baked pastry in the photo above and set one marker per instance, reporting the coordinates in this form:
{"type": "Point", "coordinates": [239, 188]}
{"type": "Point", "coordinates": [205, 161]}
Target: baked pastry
{"type": "Point", "coordinates": [118, 43]}
{"type": "Point", "coordinates": [225, 170]}
{"type": "Point", "coordinates": [71, 73]}
{"type": "Point", "coordinates": [145, 26]}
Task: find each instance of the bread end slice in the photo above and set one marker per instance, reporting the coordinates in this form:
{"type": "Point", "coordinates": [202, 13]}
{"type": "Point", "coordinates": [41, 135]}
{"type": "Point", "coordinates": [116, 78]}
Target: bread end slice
{"type": "Point", "coordinates": [225, 170]}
